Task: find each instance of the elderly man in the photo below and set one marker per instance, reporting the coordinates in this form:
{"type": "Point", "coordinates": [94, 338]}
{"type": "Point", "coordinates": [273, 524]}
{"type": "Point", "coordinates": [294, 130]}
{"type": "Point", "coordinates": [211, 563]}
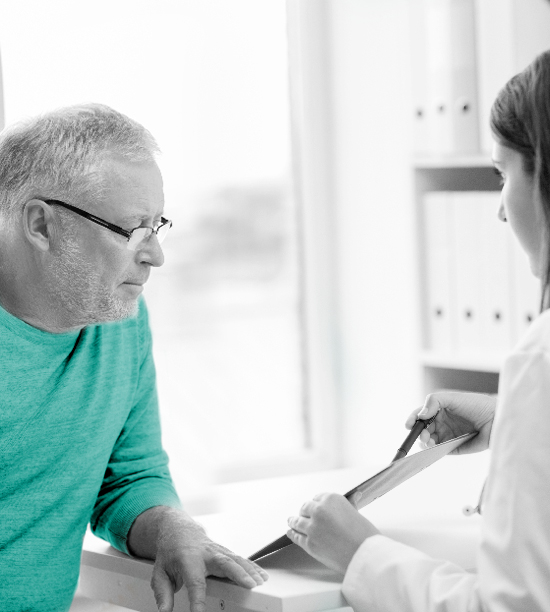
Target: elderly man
{"type": "Point", "coordinates": [81, 205]}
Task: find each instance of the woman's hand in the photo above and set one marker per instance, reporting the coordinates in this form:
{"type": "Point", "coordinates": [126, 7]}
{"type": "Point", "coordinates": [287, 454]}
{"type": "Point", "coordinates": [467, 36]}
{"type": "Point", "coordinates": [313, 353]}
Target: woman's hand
{"type": "Point", "coordinates": [457, 413]}
{"type": "Point", "coordinates": [330, 529]}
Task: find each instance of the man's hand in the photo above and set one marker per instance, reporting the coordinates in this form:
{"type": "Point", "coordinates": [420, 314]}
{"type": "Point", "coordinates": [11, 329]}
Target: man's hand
{"type": "Point", "coordinates": [184, 555]}
{"type": "Point", "coordinates": [330, 529]}
{"type": "Point", "coordinates": [457, 413]}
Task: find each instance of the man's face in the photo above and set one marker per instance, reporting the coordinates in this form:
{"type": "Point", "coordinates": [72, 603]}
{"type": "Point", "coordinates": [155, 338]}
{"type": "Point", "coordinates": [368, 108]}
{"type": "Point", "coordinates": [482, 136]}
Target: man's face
{"type": "Point", "coordinates": [95, 276]}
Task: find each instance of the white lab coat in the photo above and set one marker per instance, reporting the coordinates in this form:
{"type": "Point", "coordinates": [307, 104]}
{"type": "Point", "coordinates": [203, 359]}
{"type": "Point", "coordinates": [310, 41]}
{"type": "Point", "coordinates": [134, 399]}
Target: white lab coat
{"type": "Point", "coordinates": [514, 557]}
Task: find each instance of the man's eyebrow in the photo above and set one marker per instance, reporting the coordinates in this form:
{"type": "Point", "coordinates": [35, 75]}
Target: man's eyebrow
{"type": "Point", "coordinates": [130, 218]}
{"type": "Point", "coordinates": [138, 217]}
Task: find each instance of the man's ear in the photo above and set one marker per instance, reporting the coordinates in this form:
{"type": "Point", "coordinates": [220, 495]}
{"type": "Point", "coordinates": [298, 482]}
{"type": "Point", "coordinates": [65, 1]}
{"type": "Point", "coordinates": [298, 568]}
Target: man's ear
{"type": "Point", "coordinates": [38, 224]}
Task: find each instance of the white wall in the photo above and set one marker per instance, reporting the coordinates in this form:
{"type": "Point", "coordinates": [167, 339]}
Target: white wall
{"type": "Point", "coordinates": [374, 211]}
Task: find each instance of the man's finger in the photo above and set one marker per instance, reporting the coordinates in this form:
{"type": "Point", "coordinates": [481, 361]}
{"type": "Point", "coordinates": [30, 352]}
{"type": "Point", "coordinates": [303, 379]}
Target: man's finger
{"type": "Point", "coordinates": [264, 575]}
{"type": "Point", "coordinates": [163, 589]}
{"type": "Point", "coordinates": [195, 582]}
{"type": "Point", "coordinates": [252, 569]}
{"type": "Point", "coordinates": [221, 562]}
{"type": "Point", "coordinates": [223, 565]}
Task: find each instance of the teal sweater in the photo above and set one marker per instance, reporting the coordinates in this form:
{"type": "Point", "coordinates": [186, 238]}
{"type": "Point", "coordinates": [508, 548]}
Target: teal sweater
{"type": "Point", "coordinates": [79, 442]}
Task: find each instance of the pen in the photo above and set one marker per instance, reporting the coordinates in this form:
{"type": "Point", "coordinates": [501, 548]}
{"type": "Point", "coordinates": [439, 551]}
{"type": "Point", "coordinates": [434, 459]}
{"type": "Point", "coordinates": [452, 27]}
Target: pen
{"type": "Point", "coordinates": [413, 435]}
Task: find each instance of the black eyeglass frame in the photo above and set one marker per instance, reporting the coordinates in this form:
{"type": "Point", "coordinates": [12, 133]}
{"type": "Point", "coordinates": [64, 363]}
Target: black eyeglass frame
{"type": "Point", "coordinates": [110, 226]}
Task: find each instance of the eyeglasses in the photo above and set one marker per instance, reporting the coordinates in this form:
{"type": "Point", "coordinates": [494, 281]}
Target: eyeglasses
{"type": "Point", "coordinates": [135, 237]}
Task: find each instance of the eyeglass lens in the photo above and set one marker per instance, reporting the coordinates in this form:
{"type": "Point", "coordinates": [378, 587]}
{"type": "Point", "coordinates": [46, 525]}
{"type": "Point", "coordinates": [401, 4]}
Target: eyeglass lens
{"type": "Point", "coordinates": [142, 233]}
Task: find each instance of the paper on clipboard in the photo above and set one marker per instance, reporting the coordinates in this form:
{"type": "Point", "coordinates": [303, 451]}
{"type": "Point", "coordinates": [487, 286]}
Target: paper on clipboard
{"type": "Point", "coordinates": [382, 482]}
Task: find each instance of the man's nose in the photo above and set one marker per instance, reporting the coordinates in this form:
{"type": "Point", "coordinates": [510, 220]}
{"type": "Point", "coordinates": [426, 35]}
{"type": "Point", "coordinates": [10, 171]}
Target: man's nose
{"type": "Point", "coordinates": [151, 252]}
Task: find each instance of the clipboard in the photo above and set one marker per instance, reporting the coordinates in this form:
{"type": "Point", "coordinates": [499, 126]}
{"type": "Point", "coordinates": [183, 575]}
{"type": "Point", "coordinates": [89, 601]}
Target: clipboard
{"type": "Point", "coordinates": [387, 479]}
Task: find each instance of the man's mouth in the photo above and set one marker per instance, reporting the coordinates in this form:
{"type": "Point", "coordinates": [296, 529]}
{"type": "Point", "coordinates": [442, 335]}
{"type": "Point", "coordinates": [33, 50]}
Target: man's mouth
{"type": "Point", "coordinates": [139, 282]}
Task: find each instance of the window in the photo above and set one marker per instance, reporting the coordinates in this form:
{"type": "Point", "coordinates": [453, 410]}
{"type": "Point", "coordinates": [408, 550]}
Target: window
{"type": "Point", "coordinates": [241, 331]}
{"type": "Point", "coordinates": [227, 306]}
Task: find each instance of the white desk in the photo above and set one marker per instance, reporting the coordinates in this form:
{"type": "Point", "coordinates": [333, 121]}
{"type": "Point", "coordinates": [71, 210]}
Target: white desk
{"type": "Point", "coordinates": [425, 512]}
{"type": "Point", "coordinates": [296, 583]}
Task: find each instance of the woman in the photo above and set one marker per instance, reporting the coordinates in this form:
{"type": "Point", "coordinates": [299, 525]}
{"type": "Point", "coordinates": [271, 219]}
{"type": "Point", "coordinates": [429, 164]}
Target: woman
{"type": "Point", "coordinates": [514, 556]}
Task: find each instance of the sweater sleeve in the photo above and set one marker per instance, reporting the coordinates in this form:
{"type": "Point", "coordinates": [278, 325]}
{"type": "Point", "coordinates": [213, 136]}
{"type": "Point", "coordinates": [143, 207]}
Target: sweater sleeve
{"type": "Point", "coordinates": [137, 476]}
{"type": "Point", "coordinates": [514, 557]}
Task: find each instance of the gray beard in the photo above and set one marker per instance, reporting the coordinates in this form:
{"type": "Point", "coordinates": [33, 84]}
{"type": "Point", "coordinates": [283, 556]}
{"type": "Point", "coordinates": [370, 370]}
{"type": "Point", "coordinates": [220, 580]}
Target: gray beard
{"type": "Point", "coordinates": [77, 289]}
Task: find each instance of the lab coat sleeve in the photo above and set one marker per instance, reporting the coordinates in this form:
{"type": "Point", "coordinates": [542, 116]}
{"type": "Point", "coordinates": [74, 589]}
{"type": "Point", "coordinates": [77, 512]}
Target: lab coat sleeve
{"type": "Point", "coordinates": [385, 575]}
{"type": "Point", "coordinates": [514, 558]}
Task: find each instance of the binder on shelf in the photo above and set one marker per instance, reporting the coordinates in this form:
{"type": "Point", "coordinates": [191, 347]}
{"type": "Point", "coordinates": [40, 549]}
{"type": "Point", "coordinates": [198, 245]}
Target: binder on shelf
{"type": "Point", "coordinates": [480, 292]}
{"type": "Point", "coordinates": [526, 290]}
{"type": "Point", "coordinates": [438, 65]}
{"type": "Point", "coordinates": [497, 326]}
{"type": "Point", "coordinates": [468, 272]}
{"type": "Point", "coordinates": [440, 300]}
{"type": "Point", "coordinates": [463, 101]}
{"type": "Point", "coordinates": [446, 29]}
{"type": "Point", "coordinates": [419, 80]}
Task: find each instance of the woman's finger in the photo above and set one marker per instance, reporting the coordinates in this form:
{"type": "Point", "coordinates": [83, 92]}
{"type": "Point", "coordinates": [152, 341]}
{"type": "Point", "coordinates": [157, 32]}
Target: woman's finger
{"type": "Point", "coordinates": [307, 508]}
{"type": "Point", "coordinates": [299, 524]}
{"type": "Point", "coordinates": [431, 406]}
{"type": "Point", "coordinates": [424, 436]}
{"type": "Point", "coordinates": [412, 418]}
{"type": "Point", "coordinates": [297, 538]}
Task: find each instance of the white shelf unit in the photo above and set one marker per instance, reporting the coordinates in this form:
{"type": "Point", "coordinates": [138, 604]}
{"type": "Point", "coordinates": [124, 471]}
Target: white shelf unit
{"type": "Point", "coordinates": [478, 371]}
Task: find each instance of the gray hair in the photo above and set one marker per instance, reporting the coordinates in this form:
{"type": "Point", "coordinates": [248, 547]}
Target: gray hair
{"type": "Point", "coordinates": [59, 154]}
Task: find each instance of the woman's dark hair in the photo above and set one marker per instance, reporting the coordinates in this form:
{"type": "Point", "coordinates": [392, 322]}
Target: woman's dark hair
{"type": "Point", "coordinates": [520, 120]}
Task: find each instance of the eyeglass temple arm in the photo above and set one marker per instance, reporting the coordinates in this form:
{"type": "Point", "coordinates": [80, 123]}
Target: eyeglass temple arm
{"type": "Point", "coordinates": [87, 215]}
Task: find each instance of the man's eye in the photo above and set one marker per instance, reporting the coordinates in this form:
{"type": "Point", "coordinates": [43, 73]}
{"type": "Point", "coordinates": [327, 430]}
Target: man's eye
{"type": "Point", "coordinates": [139, 225]}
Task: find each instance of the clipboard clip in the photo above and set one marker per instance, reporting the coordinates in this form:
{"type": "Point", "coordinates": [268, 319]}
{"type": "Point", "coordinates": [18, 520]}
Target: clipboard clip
{"type": "Point", "coordinates": [470, 510]}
